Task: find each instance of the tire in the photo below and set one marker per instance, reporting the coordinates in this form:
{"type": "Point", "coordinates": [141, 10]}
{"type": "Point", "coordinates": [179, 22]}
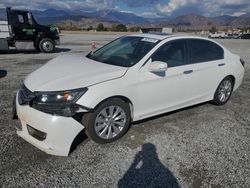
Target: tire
{"type": "Point", "coordinates": [109, 121]}
{"type": "Point", "coordinates": [47, 45]}
{"type": "Point", "coordinates": [223, 91]}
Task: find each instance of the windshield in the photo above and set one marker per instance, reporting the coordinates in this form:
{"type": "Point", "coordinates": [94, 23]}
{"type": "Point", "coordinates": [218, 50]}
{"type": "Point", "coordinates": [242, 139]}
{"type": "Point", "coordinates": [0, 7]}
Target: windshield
{"type": "Point", "coordinates": [125, 51]}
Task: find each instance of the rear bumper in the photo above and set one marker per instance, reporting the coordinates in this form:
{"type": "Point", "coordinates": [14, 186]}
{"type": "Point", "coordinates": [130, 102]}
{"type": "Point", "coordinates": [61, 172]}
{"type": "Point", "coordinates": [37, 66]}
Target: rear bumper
{"type": "Point", "coordinates": [239, 79]}
{"type": "Point", "coordinates": [60, 131]}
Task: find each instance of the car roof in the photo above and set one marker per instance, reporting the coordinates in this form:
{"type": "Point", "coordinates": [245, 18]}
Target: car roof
{"type": "Point", "coordinates": [162, 36]}
{"type": "Point", "coordinates": [158, 36]}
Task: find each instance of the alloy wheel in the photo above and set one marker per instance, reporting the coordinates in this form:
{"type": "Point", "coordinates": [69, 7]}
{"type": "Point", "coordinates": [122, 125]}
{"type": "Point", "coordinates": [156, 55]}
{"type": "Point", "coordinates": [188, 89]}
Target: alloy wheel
{"type": "Point", "coordinates": [225, 90]}
{"type": "Point", "coordinates": [110, 122]}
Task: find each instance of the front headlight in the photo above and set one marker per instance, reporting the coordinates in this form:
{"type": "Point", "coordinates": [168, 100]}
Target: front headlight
{"type": "Point", "coordinates": [58, 103]}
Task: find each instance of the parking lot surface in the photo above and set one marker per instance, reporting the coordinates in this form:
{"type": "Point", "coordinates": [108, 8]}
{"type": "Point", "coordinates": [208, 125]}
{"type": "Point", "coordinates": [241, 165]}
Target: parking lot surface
{"type": "Point", "coordinates": [201, 146]}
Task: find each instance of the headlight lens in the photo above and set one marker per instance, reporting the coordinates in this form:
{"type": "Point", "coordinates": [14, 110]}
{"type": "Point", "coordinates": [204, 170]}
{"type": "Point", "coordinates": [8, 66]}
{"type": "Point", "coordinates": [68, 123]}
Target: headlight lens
{"type": "Point", "coordinates": [58, 97]}
{"type": "Point", "coordinates": [58, 103]}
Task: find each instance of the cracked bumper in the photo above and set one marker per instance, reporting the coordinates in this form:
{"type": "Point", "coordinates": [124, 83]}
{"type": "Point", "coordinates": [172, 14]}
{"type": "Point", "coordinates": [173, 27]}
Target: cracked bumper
{"type": "Point", "coordinates": [61, 131]}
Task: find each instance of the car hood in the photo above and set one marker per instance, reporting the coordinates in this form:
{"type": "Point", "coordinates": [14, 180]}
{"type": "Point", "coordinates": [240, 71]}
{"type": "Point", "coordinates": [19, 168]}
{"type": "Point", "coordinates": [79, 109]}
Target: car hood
{"type": "Point", "coordinates": [71, 72]}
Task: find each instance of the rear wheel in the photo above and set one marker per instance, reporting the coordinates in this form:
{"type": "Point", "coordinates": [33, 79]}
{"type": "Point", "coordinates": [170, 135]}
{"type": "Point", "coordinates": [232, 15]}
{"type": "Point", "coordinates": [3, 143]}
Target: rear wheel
{"type": "Point", "coordinates": [47, 45]}
{"type": "Point", "coordinates": [109, 122]}
{"type": "Point", "coordinates": [223, 91]}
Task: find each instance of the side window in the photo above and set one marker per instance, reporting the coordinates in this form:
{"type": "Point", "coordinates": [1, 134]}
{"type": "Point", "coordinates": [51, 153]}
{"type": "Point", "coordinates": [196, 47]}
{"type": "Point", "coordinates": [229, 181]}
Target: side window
{"type": "Point", "coordinates": [203, 50]}
{"type": "Point", "coordinates": [20, 18]}
{"type": "Point", "coordinates": [173, 53]}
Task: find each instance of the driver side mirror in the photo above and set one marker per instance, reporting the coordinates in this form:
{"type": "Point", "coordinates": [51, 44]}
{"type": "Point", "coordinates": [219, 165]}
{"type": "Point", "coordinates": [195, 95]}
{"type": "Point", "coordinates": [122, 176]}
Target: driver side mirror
{"type": "Point", "coordinates": [158, 66]}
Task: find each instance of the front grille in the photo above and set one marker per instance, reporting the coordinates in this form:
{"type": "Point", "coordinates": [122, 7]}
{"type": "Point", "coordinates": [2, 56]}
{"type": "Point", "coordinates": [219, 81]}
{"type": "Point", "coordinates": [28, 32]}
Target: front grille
{"type": "Point", "coordinates": [25, 95]}
{"type": "Point", "coordinates": [49, 109]}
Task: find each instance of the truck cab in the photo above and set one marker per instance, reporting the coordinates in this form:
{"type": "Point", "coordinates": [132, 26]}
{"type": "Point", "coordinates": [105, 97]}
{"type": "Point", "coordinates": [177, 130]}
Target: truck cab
{"type": "Point", "coordinates": [25, 32]}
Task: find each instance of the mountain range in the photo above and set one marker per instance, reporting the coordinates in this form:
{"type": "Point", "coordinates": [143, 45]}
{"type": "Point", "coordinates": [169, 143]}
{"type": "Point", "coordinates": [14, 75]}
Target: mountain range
{"type": "Point", "coordinates": [109, 17]}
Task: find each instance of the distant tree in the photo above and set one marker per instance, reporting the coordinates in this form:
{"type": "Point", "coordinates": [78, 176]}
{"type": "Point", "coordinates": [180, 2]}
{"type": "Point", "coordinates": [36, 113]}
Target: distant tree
{"type": "Point", "coordinates": [113, 28]}
{"type": "Point", "coordinates": [213, 29]}
{"type": "Point", "coordinates": [100, 27]}
{"type": "Point", "coordinates": [121, 28]}
{"type": "Point", "coordinates": [134, 29]}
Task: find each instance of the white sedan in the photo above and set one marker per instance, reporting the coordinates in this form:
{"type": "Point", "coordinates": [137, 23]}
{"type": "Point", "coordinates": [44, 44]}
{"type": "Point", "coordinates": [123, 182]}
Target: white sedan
{"type": "Point", "coordinates": [132, 78]}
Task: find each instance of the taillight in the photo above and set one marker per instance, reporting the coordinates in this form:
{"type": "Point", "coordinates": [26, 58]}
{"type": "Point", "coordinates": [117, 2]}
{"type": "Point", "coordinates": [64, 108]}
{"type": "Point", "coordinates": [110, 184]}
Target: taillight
{"type": "Point", "coordinates": [242, 62]}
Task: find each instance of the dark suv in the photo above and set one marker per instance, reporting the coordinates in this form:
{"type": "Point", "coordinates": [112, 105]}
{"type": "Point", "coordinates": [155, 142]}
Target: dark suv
{"type": "Point", "coordinates": [245, 36]}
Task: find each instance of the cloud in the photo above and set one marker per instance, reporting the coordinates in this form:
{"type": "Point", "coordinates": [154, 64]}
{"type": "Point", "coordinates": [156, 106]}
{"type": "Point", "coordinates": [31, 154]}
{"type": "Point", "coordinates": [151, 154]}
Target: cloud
{"type": "Point", "coordinates": [149, 15]}
{"type": "Point", "coordinates": [204, 7]}
{"type": "Point", "coordinates": [77, 4]}
{"type": "Point", "coordinates": [61, 4]}
{"type": "Point", "coordinates": [139, 3]}
{"type": "Point", "coordinates": [173, 5]}
{"type": "Point", "coordinates": [149, 8]}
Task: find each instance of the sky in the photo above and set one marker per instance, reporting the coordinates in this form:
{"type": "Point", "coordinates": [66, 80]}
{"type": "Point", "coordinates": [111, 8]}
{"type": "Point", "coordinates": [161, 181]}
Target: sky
{"type": "Point", "coordinates": [146, 8]}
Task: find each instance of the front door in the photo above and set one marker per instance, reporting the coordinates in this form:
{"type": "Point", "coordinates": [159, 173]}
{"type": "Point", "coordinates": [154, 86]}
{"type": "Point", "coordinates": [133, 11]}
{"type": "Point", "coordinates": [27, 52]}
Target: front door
{"type": "Point", "coordinates": [161, 92]}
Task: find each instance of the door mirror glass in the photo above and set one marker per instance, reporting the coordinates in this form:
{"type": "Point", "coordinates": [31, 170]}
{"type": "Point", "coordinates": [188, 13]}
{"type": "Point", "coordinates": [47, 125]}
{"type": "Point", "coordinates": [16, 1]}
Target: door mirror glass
{"type": "Point", "coordinates": [158, 66]}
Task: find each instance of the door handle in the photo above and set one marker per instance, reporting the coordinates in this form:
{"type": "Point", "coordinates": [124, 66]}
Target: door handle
{"type": "Point", "coordinates": [221, 64]}
{"type": "Point", "coordinates": [188, 72]}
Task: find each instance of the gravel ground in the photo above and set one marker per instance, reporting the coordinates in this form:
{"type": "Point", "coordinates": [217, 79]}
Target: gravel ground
{"type": "Point", "coordinates": [201, 146]}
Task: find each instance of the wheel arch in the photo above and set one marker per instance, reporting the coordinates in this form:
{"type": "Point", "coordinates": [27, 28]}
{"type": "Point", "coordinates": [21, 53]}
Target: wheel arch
{"type": "Point", "coordinates": [215, 99]}
{"type": "Point", "coordinates": [123, 98]}
{"type": "Point", "coordinates": [226, 76]}
{"type": "Point", "coordinates": [232, 77]}
{"type": "Point", "coordinates": [39, 37]}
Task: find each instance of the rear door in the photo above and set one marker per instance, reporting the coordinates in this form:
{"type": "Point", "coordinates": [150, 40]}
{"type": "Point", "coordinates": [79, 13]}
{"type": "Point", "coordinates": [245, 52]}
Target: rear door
{"type": "Point", "coordinates": [207, 60]}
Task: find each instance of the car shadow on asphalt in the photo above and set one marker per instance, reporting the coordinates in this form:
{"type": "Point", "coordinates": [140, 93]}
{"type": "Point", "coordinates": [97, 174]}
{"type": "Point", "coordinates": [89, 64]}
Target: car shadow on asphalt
{"type": "Point", "coordinates": [14, 51]}
{"type": "Point", "coordinates": [3, 73]}
{"type": "Point", "coordinates": [148, 171]}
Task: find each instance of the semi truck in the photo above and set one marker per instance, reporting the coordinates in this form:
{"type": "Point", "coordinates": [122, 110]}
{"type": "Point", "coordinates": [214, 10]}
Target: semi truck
{"type": "Point", "coordinates": [21, 31]}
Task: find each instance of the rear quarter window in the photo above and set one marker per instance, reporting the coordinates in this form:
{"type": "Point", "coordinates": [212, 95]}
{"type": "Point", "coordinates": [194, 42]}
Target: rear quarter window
{"type": "Point", "coordinates": [204, 50]}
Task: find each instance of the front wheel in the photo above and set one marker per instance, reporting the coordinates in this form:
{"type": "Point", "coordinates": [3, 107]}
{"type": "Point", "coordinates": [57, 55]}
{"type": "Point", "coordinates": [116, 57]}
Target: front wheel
{"type": "Point", "coordinates": [223, 91]}
{"type": "Point", "coordinates": [109, 121]}
{"type": "Point", "coordinates": [47, 45]}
